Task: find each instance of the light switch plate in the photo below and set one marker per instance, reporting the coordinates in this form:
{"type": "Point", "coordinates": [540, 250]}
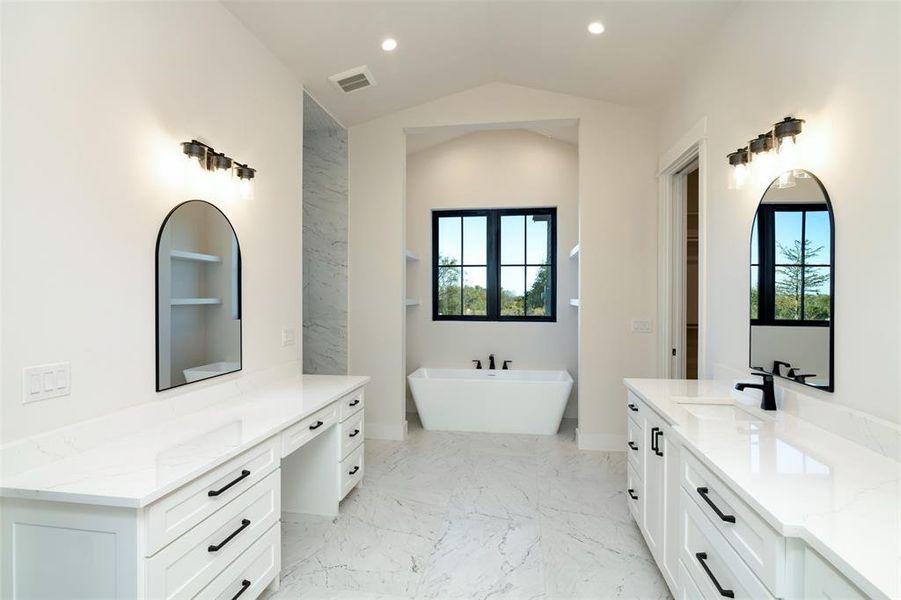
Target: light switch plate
{"type": "Point", "coordinates": [641, 326]}
{"type": "Point", "coordinates": [43, 382]}
{"type": "Point", "coordinates": [288, 337]}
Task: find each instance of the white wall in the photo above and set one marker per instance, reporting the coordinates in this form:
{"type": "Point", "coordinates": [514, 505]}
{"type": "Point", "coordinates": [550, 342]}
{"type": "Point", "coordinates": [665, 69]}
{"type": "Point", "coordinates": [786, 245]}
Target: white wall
{"type": "Point", "coordinates": [493, 169]}
{"type": "Point", "coordinates": [96, 98]}
{"type": "Point", "coordinates": [838, 68]}
{"type": "Point", "coordinates": [617, 222]}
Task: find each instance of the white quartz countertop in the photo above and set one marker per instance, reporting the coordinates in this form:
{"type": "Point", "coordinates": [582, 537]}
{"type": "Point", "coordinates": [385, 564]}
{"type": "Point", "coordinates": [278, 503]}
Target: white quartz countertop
{"type": "Point", "coordinates": [842, 499]}
{"type": "Point", "coordinates": [163, 454]}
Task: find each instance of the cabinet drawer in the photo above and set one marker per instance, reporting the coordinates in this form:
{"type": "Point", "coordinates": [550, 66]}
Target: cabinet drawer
{"type": "Point", "coordinates": [350, 404]}
{"type": "Point", "coordinates": [634, 493]}
{"type": "Point", "coordinates": [760, 546]}
{"type": "Point", "coordinates": [821, 580]}
{"type": "Point", "coordinates": [251, 572]}
{"type": "Point", "coordinates": [351, 433]}
{"type": "Point", "coordinates": [303, 431]}
{"type": "Point", "coordinates": [688, 589]}
{"type": "Point", "coordinates": [634, 444]}
{"type": "Point", "coordinates": [351, 471]}
{"type": "Point", "coordinates": [187, 565]}
{"type": "Point", "coordinates": [174, 514]}
{"type": "Point", "coordinates": [710, 560]}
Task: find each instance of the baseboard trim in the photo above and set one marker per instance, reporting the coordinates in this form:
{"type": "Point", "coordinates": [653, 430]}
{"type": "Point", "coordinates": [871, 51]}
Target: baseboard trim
{"type": "Point", "coordinates": [387, 431]}
{"type": "Point", "coordinates": [601, 442]}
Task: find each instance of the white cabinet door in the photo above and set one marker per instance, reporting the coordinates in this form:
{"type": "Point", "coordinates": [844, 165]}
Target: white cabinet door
{"type": "Point", "coordinates": [654, 486]}
{"type": "Point", "coordinates": [669, 564]}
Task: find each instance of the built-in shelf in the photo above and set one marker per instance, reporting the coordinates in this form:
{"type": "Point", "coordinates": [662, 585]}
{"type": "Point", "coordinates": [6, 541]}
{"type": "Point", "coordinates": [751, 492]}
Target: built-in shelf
{"type": "Point", "coordinates": [194, 256]}
{"type": "Point", "coordinates": [411, 255]}
{"type": "Point", "coordinates": [574, 302]}
{"type": "Point", "coordinates": [412, 302]}
{"type": "Point", "coordinates": [574, 252]}
{"type": "Point", "coordinates": [194, 301]}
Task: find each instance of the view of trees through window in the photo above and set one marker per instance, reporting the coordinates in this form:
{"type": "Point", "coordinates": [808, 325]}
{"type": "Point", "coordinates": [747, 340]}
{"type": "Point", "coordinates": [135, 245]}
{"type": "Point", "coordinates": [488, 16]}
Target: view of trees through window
{"type": "Point", "coordinates": [494, 264]}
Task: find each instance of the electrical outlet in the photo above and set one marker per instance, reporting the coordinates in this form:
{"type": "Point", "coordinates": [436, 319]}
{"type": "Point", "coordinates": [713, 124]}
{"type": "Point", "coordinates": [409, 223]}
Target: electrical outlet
{"type": "Point", "coordinates": [43, 382]}
{"type": "Point", "coordinates": [288, 337]}
{"type": "Point", "coordinates": [641, 326]}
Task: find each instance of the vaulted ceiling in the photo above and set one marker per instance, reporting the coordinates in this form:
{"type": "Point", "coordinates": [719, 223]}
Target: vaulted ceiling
{"type": "Point", "coordinates": [449, 46]}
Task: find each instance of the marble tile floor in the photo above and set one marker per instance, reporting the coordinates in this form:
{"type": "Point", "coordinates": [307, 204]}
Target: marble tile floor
{"type": "Point", "coordinates": [465, 515]}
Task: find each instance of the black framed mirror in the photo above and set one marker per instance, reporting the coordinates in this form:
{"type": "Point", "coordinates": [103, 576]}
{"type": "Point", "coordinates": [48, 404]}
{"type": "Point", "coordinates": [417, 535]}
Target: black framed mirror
{"type": "Point", "coordinates": [198, 296]}
{"type": "Point", "coordinates": [792, 281]}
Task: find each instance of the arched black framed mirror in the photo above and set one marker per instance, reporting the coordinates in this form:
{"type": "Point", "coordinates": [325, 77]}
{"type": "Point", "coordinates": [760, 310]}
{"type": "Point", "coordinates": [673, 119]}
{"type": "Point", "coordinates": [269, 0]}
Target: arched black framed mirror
{"type": "Point", "coordinates": [198, 296]}
{"type": "Point", "coordinates": [793, 281]}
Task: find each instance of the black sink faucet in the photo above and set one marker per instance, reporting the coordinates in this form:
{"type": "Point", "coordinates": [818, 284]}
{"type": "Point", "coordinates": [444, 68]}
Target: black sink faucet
{"type": "Point", "coordinates": [777, 366]}
{"type": "Point", "coordinates": [505, 366]}
{"type": "Point", "coordinates": [477, 362]}
{"type": "Point", "coordinates": [491, 361]}
{"type": "Point", "coordinates": [769, 394]}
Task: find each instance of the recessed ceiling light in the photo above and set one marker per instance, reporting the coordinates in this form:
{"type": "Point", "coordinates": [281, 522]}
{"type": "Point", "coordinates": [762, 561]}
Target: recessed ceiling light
{"type": "Point", "coordinates": [596, 28]}
{"type": "Point", "coordinates": [389, 44]}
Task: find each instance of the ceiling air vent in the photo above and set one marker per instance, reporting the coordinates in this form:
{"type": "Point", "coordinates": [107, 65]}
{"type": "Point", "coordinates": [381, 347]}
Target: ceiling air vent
{"type": "Point", "coordinates": [353, 79]}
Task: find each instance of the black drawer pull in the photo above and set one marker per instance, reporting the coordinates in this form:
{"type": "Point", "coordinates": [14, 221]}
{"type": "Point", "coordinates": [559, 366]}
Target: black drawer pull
{"type": "Point", "coordinates": [355, 402]}
{"type": "Point", "coordinates": [245, 523]}
{"type": "Point", "coordinates": [244, 585]}
{"type": "Point", "coordinates": [354, 470]}
{"type": "Point", "coordinates": [633, 408]}
{"type": "Point", "coordinates": [702, 492]}
{"type": "Point", "coordinates": [633, 445]}
{"type": "Point", "coordinates": [316, 425]}
{"type": "Point", "coordinates": [244, 474]}
{"type": "Point", "coordinates": [702, 556]}
{"type": "Point", "coordinates": [657, 449]}
{"type": "Point", "coordinates": [355, 433]}
{"type": "Point", "coordinates": [654, 431]}
{"type": "Point", "coordinates": [632, 494]}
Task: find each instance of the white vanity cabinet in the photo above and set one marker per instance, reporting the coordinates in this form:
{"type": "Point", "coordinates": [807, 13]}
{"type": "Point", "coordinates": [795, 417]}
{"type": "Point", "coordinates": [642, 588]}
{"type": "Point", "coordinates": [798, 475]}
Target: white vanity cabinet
{"type": "Point", "coordinates": [216, 535]}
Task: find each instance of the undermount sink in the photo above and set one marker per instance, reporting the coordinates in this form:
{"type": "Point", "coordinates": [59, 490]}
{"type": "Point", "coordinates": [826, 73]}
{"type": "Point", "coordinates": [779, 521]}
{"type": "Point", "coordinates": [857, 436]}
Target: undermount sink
{"type": "Point", "coordinates": [717, 409]}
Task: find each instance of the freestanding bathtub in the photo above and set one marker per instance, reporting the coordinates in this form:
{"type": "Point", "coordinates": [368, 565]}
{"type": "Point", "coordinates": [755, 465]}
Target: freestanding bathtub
{"type": "Point", "coordinates": [492, 401]}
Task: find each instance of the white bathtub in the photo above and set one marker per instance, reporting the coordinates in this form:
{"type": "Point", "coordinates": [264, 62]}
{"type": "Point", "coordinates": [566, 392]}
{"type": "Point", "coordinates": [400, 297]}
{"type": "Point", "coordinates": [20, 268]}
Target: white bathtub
{"type": "Point", "coordinates": [493, 401]}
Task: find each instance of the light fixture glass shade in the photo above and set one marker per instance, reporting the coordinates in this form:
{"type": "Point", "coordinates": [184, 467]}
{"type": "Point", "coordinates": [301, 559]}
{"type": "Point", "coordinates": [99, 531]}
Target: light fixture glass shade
{"type": "Point", "coordinates": [786, 179]}
{"type": "Point", "coordinates": [738, 176]}
{"type": "Point", "coordinates": [245, 189]}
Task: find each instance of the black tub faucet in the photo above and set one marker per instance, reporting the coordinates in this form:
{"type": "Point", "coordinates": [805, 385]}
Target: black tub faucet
{"type": "Point", "coordinates": [768, 402]}
{"type": "Point", "coordinates": [491, 361]}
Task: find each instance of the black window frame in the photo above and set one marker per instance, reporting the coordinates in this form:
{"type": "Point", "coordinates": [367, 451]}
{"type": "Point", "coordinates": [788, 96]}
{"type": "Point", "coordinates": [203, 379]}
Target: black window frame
{"type": "Point", "coordinates": [765, 224]}
{"type": "Point", "coordinates": [493, 249]}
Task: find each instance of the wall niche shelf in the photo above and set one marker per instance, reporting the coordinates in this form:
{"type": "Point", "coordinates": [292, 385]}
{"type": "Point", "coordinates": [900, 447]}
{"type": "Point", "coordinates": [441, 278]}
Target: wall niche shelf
{"type": "Point", "coordinates": [574, 253]}
{"type": "Point", "coordinates": [194, 256]}
{"type": "Point", "coordinates": [410, 255]}
{"type": "Point", "coordinates": [574, 302]}
{"type": "Point", "coordinates": [195, 301]}
{"type": "Point", "coordinates": [411, 302]}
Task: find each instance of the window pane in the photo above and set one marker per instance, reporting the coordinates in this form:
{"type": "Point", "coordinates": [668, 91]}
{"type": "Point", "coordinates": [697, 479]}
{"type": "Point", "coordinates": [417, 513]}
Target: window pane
{"type": "Point", "coordinates": [817, 232]}
{"type": "Point", "coordinates": [475, 292]}
{"type": "Point", "coordinates": [788, 238]}
{"type": "Point", "coordinates": [449, 242]}
{"type": "Point", "coordinates": [513, 240]}
{"type": "Point", "coordinates": [475, 240]}
{"type": "Point", "coordinates": [755, 243]}
{"type": "Point", "coordinates": [755, 292]}
{"type": "Point", "coordinates": [788, 293]}
{"type": "Point", "coordinates": [449, 291]}
{"type": "Point", "coordinates": [538, 239]}
{"type": "Point", "coordinates": [538, 291]}
{"type": "Point", "coordinates": [817, 302]}
{"type": "Point", "coordinates": [513, 281]}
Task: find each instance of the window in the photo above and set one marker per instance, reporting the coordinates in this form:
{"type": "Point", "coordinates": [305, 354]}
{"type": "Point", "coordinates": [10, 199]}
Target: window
{"type": "Point", "coordinates": [791, 265]}
{"type": "Point", "coordinates": [494, 265]}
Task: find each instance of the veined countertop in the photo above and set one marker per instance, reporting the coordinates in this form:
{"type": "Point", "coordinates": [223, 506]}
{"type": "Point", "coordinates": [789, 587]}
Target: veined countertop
{"type": "Point", "coordinates": [167, 452]}
{"type": "Point", "coordinates": [842, 499]}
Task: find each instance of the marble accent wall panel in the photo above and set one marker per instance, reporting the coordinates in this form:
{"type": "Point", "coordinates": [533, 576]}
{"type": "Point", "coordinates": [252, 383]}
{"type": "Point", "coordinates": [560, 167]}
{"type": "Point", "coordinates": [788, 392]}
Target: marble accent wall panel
{"type": "Point", "coordinates": [324, 242]}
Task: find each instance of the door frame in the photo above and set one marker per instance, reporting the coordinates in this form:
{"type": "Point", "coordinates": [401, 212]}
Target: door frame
{"type": "Point", "coordinates": [691, 147]}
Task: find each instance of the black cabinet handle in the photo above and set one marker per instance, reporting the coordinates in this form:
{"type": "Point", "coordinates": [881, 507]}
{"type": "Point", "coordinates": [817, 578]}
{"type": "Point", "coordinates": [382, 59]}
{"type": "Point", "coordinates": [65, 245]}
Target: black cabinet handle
{"type": "Point", "coordinates": [657, 449]}
{"type": "Point", "coordinates": [354, 434]}
{"type": "Point", "coordinates": [244, 474]}
{"type": "Point", "coordinates": [702, 492]}
{"type": "Point", "coordinates": [316, 425]}
{"type": "Point", "coordinates": [702, 557]}
{"type": "Point", "coordinates": [244, 585]}
{"type": "Point", "coordinates": [354, 470]}
{"type": "Point", "coordinates": [632, 493]}
{"type": "Point", "coordinates": [245, 523]}
{"type": "Point", "coordinates": [633, 408]}
{"type": "Point", "coordinates": [355, 402]}
{"type": "Point", "coordinates": [654, 431]}
{"type": "Point", "coordinates": [633, 445]}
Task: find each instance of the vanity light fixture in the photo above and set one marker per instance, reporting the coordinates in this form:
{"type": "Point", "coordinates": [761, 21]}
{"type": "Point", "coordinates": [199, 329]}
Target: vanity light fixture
{"type": "Point", "coordinates": [227, 173]}
{"type": "Point", "coordinates": [760, 156]}
{"type": "Point", "coordinates": [739, 173]}
{"type": "Point", "coordinates": [595, 28]}
{"type": "Point", "coordinates": [786, 132]}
